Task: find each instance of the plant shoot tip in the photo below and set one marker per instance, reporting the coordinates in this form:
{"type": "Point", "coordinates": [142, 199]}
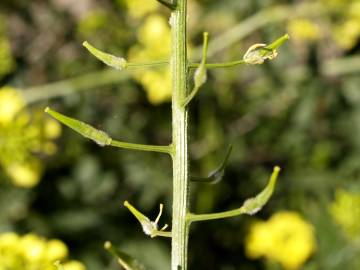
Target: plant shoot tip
{"type": "Point", "coordinates": [47, 109]}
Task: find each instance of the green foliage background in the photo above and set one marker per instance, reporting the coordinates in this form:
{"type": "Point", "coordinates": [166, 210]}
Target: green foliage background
{"type": "Point", "coordinates": [300, 111]}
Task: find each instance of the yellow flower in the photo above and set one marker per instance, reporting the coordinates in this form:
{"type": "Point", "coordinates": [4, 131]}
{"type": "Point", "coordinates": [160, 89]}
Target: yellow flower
{"type": "Point", "coordinates": [8, 239]}
{"type": "Point", "coordinates": [158, 85]}
{"type": "Point", "coordinates": [137, 8]}
{"type": "Point", "coordinates": [74, 265]}
{"type": "Point", "coordinates": [23, 134]}
{"type": "Point", "coordinates": [347, 33]}
{"type": "Point", "coordinates": [346, 212]}
{"type": "Point", "coordinates": [11, 103]}
{"type": "Point", "coordinates": [346, 25]}
{"type": "Point", "coordinates": [56, 250]}
{"type": "Point", "coordinates": [52, 128]}
{"type": "Point", "coordinates": [155, 33]}
{"type": "Point", "coordinates": [25, 175]}
{"type": "Point", "coordinates": [32, 247]}
{"type": "Point", "coordinates": [49, 148]}
{"type": "Point", "coordinates": [34, 252]}
{"type": "Point", "coordinates": [303, 30]}
{"type": "Point", "coordinates": [154, 38]}
{"type": "Point", "coordinates": [285, 238]}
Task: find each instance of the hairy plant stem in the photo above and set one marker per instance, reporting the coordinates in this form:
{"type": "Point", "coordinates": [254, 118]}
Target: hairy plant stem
{"type": "Point", "coordinates": [179, 70]}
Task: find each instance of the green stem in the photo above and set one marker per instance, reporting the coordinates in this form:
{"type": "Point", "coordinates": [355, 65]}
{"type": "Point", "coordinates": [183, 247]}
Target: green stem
{"type": "Point", "coordinates": [72, 85]}
{"type": "Point", "coordinates": [192, 66]}
{"type": "Point", "coordinates": [203, 217]}
{"type": "Point", "coordinates": [167, 149]}
{"type": "Point", "coordinates": [219, 65]}
{"type": "Point", "coordinates": [179, 67]}
{"type": "Point", "coordinates": [162, 234]}
{"type": "Point", "coordinates": [146, 64]}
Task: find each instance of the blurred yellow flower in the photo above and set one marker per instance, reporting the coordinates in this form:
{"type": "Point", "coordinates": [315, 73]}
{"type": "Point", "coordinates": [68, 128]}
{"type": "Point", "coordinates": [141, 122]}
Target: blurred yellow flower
{"type": "Point", "coordinates": [347, 33]}
{"type": "Point", "coordinates": [346, 212]}
{"type": "Point", "coordinates": [73, 265]}
{"type": "Point", "coordinates": [52, 129]}
{"type": "Point", "coordinates": [56, 250]}
{"type": "Point", "coordinates": [286, 238]}
{"type": "Point", "coordinates": [33, 252]}
{"type": "Point", "coordinates": [137, 8]}
{"type": "Point", "coordinates": [303, 30]}
{"type": "Point", "coordinates": [32, 247]}
{"type": "Point", "coordinates": [25, 175]}
{"type": "Point", "coordinates": [155, 34]}
{"type": "Point", "coordinates": [23, 134]}
{"type": "Point", "coordinates": [346, 23]}
{"type": "Point", "coordinates": [158, 85]}
{"type": "Point", "coordinates": [49, 148]}
{"type": "Point", "coordinates": [154, 37]}
{"type": "Point", "coordinates": [11, 102]}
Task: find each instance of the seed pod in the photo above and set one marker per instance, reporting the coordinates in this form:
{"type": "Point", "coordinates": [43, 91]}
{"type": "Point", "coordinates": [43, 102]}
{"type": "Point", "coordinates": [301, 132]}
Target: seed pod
{"type": "Point", "coordinates": [106, 58]}
{"type": "Point", "coordinates": [98, 136]}
{"type": "Point", "coordinates": [253, 205]}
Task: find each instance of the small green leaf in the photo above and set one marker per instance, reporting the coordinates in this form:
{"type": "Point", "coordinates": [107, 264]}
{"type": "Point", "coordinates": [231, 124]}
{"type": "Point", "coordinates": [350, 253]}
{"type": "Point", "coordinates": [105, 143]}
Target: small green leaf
{"type": "Point", "coordinates": [106, 58]}
{"type": "Point", "coordinates": [98, 136]}
{"type": "Point", "coordinates": [217, 175]}
{"type": "Point", "coordinates": [253, 205]}
{"type": "Point", "coordinates": [258, 53]}
{"type": "Point", "coordinates": [124, 259]}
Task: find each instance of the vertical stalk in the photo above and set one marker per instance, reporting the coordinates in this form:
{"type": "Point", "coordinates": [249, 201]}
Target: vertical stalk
{"type": "Point", "coordinates": [179, 67]}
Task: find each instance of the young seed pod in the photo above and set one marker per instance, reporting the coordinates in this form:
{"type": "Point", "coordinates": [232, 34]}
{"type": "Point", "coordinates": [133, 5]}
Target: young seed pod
{"type": "Point", "coordinates": [98, 136]}
{"type": "Point", "coordinates": [253, 205]}
{"type": "Point", "coordinates": [108, 59]}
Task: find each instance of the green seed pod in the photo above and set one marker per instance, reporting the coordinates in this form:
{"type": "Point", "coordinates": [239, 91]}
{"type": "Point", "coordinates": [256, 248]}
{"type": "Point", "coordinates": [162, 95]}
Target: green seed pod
{"type": "Point", "coordinates": [98, 136]}
{"type": "Point", "coordinates": [106, 58]}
